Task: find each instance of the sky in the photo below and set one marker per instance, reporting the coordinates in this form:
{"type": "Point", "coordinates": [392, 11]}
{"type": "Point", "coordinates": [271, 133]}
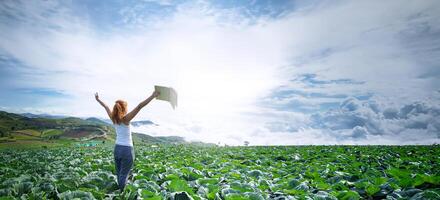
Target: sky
{"type": "Point", "coordinates": [267, 72]}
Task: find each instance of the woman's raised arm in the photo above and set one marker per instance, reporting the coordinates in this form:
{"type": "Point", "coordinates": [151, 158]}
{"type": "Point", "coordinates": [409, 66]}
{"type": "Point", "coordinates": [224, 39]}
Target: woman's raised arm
{"type": "Point", "coordinates": [129, 116]}
{"type": "Point", "coordinates": [109, 112]}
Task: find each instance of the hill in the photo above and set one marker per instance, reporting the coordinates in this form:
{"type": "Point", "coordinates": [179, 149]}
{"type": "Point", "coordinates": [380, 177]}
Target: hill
{"type": "Point", "coordinates": [48, 116]}
{"type": "Point", "coordinates": [144, 138]}
{"type": "Point", "coordinates": [19, 130]}
{"type": "Point", "coordinates": [97, 121]}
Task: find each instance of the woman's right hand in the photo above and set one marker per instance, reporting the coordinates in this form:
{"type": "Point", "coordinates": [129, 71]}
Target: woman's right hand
{"type": "Point", "coordinates": [155, 94]}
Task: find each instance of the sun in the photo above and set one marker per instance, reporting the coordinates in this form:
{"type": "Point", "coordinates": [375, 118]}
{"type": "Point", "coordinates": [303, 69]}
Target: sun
{"type": "Point", "coordinates": [220, 92]}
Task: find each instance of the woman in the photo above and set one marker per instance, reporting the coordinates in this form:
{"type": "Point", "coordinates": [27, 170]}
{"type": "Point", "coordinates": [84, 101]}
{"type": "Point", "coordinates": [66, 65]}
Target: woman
{"type": "Point", "coordinates": [123, 153]}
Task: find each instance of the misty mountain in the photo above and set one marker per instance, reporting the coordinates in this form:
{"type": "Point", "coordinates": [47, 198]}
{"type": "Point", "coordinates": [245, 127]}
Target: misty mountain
{"type": "Point", "coordinates": [47, 116]}
{"type": "Point", "coordinates": [143, 123]}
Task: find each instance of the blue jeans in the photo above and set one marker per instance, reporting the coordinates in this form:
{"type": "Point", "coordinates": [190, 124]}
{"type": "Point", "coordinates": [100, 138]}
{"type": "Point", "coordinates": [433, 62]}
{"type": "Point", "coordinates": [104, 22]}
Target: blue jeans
{"type": "Point", "coordinates": [124, 157]}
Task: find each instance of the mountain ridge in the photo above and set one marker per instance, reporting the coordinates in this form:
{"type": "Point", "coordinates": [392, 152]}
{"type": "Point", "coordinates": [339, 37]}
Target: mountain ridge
{"type": "Point", "coordinates": [16, 129]}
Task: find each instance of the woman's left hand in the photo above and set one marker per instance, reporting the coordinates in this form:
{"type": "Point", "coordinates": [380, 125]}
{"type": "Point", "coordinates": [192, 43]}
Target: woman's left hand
{"type": "Point", "coordinates": [96, 96]}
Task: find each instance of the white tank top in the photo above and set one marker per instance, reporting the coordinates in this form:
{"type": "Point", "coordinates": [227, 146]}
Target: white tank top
{"type": "Point", "coordinates": [123, 135]}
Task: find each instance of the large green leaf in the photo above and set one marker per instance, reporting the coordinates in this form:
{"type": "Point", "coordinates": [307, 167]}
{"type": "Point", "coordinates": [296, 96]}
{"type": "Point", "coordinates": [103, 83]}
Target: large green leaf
{"type": "Point", "coordinates": [177, 185]}
{"type": "Point", "coordinates": [348, 195]}
{"type": "Point", "coordinates": [69, 195]}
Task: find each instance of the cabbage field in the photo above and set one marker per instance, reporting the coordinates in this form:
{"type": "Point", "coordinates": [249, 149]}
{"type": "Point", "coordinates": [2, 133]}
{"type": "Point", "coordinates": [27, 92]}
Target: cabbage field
{"type": "Point", "coordinates": [230, 173]}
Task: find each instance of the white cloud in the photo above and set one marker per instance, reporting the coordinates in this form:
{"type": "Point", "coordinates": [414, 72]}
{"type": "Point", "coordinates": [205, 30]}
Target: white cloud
{"type": "Point", "coordinates": [218, 69]}
{"type": "Point", "coordinates": [416, 122]}
{"type": "Point", "coordinates": [222, 62]}
{"type": "Point", "coordinates": [359, 132]}
{"type": "Point", "coordinates": [365, 43]}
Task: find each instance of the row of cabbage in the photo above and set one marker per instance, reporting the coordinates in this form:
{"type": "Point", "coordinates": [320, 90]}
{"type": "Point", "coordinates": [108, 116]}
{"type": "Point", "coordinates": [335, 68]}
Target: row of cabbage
{"type": "Point", "coordinates": [230, 173]}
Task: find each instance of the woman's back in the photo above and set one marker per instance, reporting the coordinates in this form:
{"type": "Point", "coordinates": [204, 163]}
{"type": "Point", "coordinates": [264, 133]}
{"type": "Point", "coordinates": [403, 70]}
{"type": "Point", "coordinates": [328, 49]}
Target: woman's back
{"type": "Point", "coordinates": [124, 152]}
{"type": "Point", "coordinates": [123, 134]}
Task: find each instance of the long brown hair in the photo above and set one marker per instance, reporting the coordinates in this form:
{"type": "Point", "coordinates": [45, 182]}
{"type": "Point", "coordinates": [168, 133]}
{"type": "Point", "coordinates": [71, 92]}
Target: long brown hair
{"type": "Point", "coordinates": [119, 111]}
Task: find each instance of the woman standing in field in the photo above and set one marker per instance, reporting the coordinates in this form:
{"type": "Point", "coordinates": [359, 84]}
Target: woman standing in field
{"type": "Point", "coordinates": [123, 152]}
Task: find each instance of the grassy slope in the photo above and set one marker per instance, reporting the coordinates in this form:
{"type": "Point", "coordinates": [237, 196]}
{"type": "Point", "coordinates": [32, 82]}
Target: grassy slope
{"type": "Point", "coordinates": [19, 131]}
{"type": "Point", "coordinates": [51, 132]}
